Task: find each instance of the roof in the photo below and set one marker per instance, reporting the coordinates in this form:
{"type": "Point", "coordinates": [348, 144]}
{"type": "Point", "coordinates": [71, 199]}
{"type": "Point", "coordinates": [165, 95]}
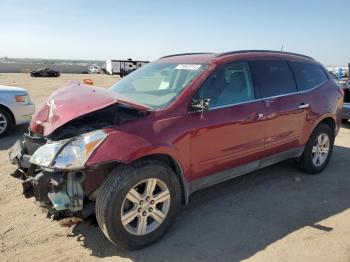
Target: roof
{"type": "Point", "coordinates": [189, 58]}
{"type": "Point", "coordinates": [210, 57]}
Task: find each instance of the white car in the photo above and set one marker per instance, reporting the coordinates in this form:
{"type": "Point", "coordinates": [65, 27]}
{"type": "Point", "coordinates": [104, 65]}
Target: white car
{"type": "Point", "coordinates": [16, 108]}
{"type": "Point", "coordinates": [94, 69]}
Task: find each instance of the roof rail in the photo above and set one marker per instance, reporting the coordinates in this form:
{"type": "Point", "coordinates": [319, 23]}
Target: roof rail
{"type": "Point", "coordinates": [262, 51]}
{"type": "Point", "coordinates": [204, 53]}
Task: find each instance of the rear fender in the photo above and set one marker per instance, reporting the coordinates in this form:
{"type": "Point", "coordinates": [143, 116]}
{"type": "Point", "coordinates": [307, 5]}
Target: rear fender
{"type": "Point", "coordinates": [313, 124]}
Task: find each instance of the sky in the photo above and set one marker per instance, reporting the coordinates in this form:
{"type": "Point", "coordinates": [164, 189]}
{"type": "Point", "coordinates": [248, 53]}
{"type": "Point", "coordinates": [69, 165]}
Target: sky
{"type": "Point", "coordinates": [149, 29]}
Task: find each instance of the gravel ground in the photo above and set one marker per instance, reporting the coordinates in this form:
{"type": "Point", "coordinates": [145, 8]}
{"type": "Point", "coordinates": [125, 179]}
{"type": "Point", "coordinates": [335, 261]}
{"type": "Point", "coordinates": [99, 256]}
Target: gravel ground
{"type": "Point", "coordinates": [275, 214]}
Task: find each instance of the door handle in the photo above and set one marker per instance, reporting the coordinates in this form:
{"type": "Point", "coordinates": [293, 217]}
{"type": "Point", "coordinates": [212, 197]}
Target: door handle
{"type": "Point", "coordinates": [303, 105]}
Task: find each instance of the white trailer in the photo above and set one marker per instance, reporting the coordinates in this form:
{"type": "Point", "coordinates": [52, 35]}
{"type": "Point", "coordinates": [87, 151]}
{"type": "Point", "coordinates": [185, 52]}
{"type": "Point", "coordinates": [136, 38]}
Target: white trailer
{"type": "Point", "coordinates": [123, 67]}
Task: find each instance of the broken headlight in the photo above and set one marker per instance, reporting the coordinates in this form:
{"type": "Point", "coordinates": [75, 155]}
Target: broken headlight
{"type": "Point", "coordinates": [68, 154]}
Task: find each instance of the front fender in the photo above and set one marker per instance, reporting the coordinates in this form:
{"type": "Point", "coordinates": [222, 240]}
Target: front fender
{"type": "Point", "coordinates": [4, 101]}
{"type": "Point", "coordinates": [126, 147]}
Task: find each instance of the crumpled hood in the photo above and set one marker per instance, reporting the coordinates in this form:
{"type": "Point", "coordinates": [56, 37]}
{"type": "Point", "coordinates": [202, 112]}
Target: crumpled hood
{"type": "Point", "coordinates": [72, 101]}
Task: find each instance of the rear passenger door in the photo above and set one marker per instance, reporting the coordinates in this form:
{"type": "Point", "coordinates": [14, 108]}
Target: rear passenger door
{"type": "Point", "coordinates": [275, 84]}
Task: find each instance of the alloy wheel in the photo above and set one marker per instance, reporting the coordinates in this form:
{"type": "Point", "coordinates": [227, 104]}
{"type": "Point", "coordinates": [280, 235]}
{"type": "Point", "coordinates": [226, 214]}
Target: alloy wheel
{"type": "Point", "coordinates": [320, 149]}
{"type": "Point", "coordinates": [145, 206]}
{"type": "Point", "coordinates": [3, 123]}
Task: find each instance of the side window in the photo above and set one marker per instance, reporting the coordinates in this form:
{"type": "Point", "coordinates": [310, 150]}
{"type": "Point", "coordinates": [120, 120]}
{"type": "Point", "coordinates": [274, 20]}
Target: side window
{"type": "Point", "coordinates": [307, 75]}
{"type": "Point", "coordinates": [272, 78]}
{"type": "Point", "coordinates": [230, 84]}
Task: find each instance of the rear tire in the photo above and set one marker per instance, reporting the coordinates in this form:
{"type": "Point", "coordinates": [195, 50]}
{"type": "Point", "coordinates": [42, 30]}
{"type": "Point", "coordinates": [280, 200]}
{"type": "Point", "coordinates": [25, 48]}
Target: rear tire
{"type": "Point", "coordinates": [114, 197]}
{"type": "Point", "coordinates": [314, 160]}
{"type": "Point", "coordinates": [6, 122]}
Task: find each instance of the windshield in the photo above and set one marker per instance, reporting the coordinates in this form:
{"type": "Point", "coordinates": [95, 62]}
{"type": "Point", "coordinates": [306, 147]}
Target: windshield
{"type": "Point", "coordinates": [157, 84]}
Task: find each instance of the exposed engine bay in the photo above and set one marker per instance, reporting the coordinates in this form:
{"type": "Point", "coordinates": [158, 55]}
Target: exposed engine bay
{"type": "Point", "coordinates": [110, 116]}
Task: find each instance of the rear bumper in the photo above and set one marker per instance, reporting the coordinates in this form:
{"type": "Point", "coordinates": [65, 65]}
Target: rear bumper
{"type": "Point", "coordinates": [345, 114]}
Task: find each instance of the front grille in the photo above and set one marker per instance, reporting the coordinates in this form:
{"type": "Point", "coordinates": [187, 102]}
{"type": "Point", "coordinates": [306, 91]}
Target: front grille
{"type": "Point", "coordinates": [33, 142]}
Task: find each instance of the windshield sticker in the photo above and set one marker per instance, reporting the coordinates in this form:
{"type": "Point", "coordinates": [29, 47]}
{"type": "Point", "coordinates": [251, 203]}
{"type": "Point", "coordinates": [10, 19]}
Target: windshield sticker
{"type": "Point", "coordinates": [188, 67]}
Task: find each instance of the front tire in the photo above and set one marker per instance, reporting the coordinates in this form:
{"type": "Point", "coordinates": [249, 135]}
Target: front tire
{"type": "Point", "coordinates": [318, 150]}
{"type": "Point", "coordinates": [136, 204]}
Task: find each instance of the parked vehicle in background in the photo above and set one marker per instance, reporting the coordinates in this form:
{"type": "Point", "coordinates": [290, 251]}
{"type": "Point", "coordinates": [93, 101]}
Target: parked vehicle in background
{"type": "Point", "coordinates": [123, 67]}
{"type": "Point", "coordinates": [44, 72]}
{"type": "Point", "coordinates": [16, 108]}
{"type": "Point", "coordinates": [333, 76]}
{"type": "Point", "coordinates": [95, 69]}
{"type": "Point", "coordinates": [342, 82]}
{"type": "Point", "coordinates": [335, 71]}
{"type": "Point", "coordinates": [346, 106]}
{"type": "Point", "coordinates": [137, 151]}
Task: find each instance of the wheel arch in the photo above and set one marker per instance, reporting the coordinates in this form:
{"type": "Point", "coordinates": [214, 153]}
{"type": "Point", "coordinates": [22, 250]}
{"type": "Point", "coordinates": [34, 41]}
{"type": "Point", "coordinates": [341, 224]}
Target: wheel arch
{"type": "Point", "coordinates": [10, 112]}
{"type": "Point", "coordinates": [176, 167]}
{"type": "Point", "coordinates": [329, 121]}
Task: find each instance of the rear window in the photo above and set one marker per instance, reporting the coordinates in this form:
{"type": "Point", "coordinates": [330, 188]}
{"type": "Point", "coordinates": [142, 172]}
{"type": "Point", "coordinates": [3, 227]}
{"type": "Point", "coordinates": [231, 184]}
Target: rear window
{"type": "Point", "coordinates": [307, 75]}
{"type": "Point", "coordinates": [272, 78]}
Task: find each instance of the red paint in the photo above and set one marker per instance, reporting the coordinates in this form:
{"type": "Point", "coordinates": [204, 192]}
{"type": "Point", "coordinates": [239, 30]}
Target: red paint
{"type": "Point", "coordinates": [222, 139]}
{"type": "Point", "coordinates": [72, 101]}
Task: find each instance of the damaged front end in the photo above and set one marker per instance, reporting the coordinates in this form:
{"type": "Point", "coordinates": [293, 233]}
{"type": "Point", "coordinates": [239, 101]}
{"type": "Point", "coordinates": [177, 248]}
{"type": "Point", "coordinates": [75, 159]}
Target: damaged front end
{"type": "Point", "coordinates": [54, 172]}
{"type": "Point", "coordinates": [53, 168]}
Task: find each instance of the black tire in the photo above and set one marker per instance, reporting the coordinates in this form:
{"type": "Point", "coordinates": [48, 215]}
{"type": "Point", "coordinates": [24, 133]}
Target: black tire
{"type": "Point", "coordinates": [9, 122]}
{"type": "Point", "coordinates": [305, 161]}
{"type": "Point", "coordinates": [113, 192]}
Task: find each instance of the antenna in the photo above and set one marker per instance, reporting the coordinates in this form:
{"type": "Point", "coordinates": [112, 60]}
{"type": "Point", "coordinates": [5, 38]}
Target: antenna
{"type": "Point", "coordinates": [282, 48]}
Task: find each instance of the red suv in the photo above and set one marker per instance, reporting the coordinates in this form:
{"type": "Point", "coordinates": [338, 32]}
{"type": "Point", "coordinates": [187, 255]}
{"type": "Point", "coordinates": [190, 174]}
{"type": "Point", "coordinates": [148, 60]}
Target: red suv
{"type": "Point", "coordinates": [136, 152]}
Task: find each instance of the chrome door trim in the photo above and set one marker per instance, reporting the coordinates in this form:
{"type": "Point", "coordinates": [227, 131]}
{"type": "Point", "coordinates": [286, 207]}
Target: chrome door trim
{"type": "Point", "coordinates": [265, 98]}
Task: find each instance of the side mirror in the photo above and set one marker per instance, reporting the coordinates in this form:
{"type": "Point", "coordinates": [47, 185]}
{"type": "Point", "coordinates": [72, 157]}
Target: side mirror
{"type": "Point", "coordinates": [200, 105]}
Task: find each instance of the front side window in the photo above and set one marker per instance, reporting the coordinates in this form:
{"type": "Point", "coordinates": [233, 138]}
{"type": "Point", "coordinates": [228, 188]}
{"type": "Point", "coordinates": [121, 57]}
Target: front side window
{"type": "Point", "coordinates": [157, 84]}
{"type": "Point", "coordinates": [230, 84]}
{"type": "Point", "coordinates": [307, 75]}
{"type": "Point", "coordinates": [272, 78]}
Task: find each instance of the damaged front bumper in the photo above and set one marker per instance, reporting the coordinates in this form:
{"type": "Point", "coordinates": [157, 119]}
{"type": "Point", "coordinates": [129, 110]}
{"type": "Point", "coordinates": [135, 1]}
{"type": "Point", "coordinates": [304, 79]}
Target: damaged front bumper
{"type": "Point", "coordinates": [62, 192]}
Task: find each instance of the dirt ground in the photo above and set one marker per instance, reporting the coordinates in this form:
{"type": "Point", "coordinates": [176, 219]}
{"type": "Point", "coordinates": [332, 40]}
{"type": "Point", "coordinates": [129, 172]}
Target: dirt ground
{"type": "Point", "coordinates": [275, 214]}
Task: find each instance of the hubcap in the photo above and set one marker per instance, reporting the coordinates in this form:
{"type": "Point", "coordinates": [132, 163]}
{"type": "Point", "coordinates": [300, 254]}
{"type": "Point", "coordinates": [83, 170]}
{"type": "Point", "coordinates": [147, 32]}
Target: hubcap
{"type": "Point", "coordinates": [145, 206]}
{"type": "Point", "coordinates": [3, 123]}
{"type": "Point", "coordinates": [320, 149]}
